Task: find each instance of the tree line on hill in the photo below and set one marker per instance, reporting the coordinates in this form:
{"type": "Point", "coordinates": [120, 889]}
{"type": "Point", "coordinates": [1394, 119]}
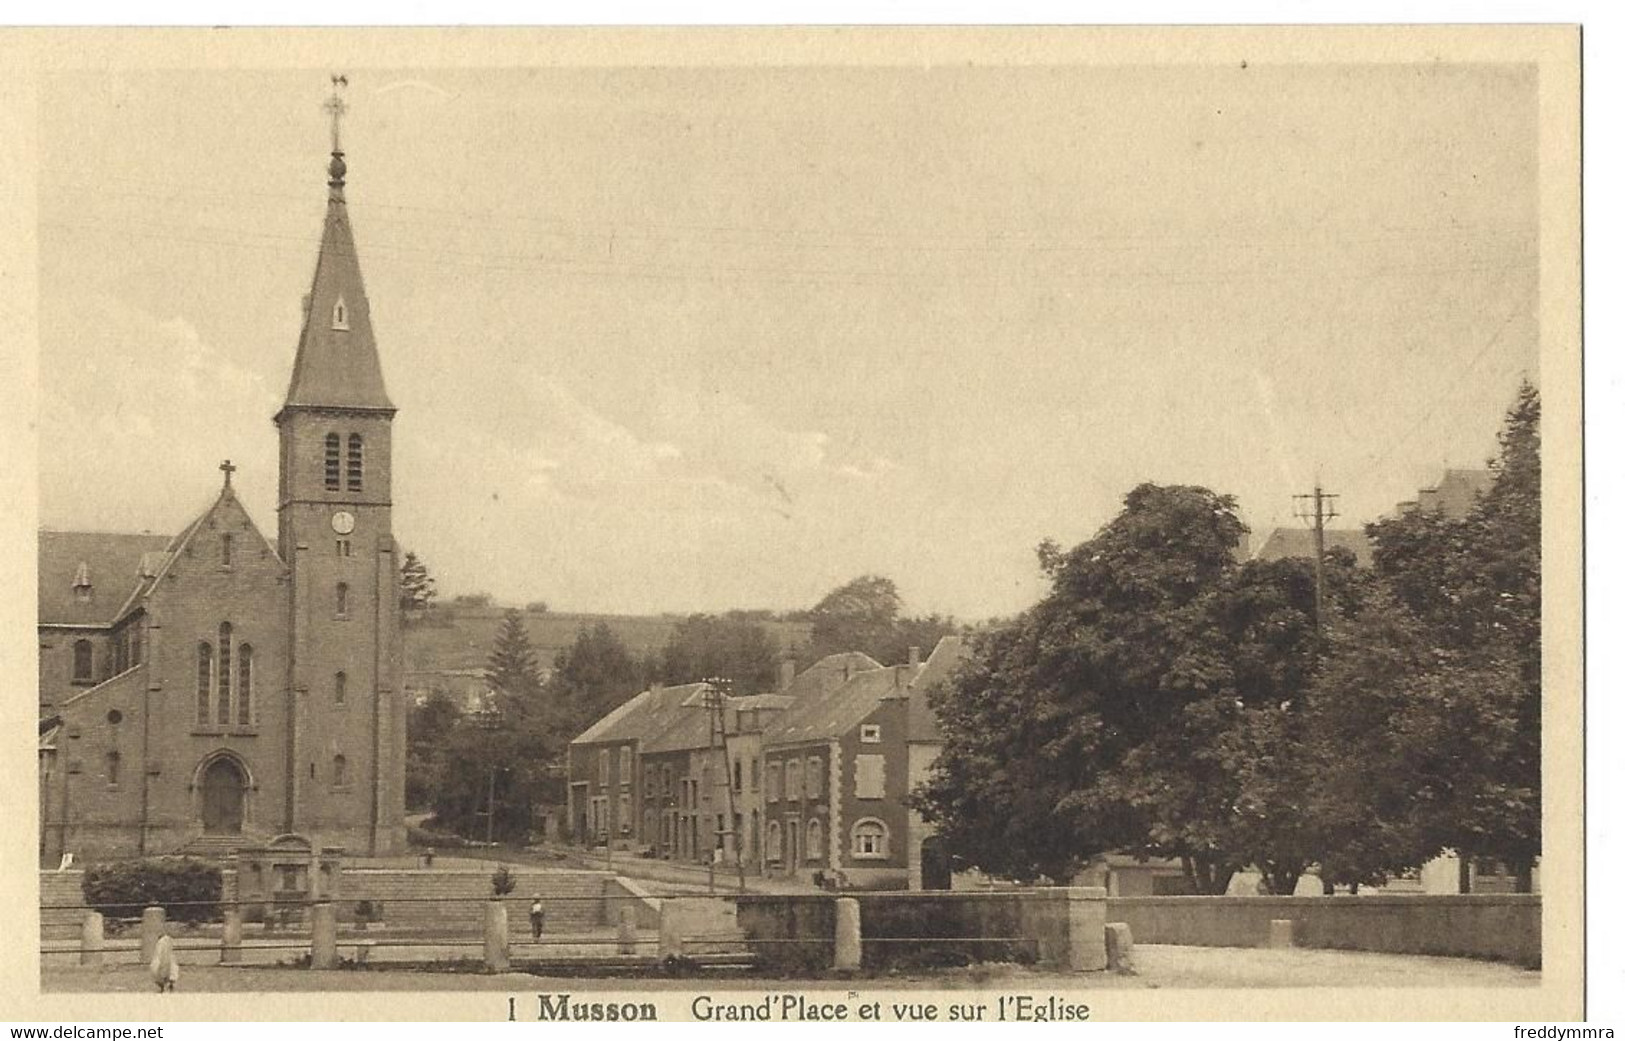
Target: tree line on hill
{"type": "Point", "coordinates": [488, 772]}
{"type": "Point", "coordinates": [1165, 700]}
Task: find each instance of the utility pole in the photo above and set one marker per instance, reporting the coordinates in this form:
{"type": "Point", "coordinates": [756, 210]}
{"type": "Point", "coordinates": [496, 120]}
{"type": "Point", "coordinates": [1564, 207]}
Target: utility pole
{"type": "Point", "coordinates": [1317, 509]}
{"type": "Point", "coordinates": [716, 699]}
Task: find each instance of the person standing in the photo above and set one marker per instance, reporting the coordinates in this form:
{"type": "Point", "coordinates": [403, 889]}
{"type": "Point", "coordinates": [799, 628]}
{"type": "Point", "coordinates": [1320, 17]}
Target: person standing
{"type": "Point", "coordinates": [166, 968]}
{"type": "Point", "coordinates": [536, 915]}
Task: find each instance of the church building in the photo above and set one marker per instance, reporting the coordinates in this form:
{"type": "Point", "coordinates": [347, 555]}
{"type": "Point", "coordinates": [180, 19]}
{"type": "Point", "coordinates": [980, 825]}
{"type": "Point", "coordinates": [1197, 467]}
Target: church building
{"type": "Point", "coordinates": [216, 688]}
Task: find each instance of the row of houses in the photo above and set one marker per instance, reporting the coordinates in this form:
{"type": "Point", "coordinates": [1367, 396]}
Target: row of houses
{"type": "Point", "coordinates": [810, 779]}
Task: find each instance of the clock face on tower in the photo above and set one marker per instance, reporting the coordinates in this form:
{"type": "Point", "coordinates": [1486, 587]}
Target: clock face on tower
{"type": "Point", "coordinates": [343, 522]}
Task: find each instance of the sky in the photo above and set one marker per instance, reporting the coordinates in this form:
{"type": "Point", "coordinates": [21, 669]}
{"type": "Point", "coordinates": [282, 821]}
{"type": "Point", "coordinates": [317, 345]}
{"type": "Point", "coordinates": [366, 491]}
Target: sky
{"type": "Point", "coordinates": [695, 339]}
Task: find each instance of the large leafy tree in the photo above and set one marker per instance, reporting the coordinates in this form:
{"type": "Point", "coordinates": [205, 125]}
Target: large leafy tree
{"type": "Point", "coordinates": [1084, 726]}
{"type": "Point", "coordinates": [866, 614]}
{"type": "Point", "coordinates": [705, 646]}
{"type": "Point", "coordinates": [591, 676]}
{"type": "Point", "coordinates": [428, 731]}
{"type": "Point", "coordinates": [1470, 590]}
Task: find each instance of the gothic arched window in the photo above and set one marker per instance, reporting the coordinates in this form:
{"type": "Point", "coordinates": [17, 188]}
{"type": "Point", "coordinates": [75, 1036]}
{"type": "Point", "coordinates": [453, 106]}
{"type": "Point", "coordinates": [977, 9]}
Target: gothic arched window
{"type": "Point", "coordinates": [339, 680]}
{"type": "Point", "coordinates": [223, 677]}
{"type": "Point", "coordinates": [352, 471]}
{"type": "Point", "coordinates": [245, 685]}
{"type": "Point", "coordinates": [330, 463]}
{"type": "Point", "coordinates": [341, 771]}
{"type": "Point", "coordinates": [341, 599]}
{"type": "Point", "coordinates": [112, 767]}
{"type": "Point", "coordinates": [205, 668]}
{"type": "Point", "coordinates": [225, 549]}
{"type": "Point", "coordinates": [84, 661]}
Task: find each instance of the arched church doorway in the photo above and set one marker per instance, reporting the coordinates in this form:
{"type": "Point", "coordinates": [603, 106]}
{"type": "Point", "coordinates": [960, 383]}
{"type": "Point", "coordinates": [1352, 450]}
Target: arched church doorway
{"type": "Point", "coordinates": [224, 788]}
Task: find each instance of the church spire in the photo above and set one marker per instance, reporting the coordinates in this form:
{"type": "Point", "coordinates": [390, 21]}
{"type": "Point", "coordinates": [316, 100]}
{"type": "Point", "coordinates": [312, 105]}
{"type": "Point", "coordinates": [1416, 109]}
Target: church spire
{"type": "Point", "coordinates": [337, 364]}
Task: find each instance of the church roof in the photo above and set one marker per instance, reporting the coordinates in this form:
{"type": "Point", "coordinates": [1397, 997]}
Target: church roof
{"type": "Point", "coordinates": [337, 363]}
{"type": "Point", "coordinates": [110, 562]}
{"type": "Point", "coordinates": [1300, 542]}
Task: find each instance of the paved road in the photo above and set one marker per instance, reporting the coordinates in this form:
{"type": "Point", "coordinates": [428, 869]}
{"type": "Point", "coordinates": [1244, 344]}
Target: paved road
{"type": "Point", "coordinates": [1159, 967]}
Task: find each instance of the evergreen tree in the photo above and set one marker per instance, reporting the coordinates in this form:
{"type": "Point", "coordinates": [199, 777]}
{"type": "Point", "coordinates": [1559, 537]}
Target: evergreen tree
{"type": "Point", "coordinates": [512, 672]}
{"type": "Point", "coordinates": [417, 586]}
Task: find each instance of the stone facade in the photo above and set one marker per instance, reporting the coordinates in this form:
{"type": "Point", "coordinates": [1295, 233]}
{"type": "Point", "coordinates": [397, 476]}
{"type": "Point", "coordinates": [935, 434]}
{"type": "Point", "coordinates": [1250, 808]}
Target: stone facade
{"type": "Point", "coordinates": [214, 689]}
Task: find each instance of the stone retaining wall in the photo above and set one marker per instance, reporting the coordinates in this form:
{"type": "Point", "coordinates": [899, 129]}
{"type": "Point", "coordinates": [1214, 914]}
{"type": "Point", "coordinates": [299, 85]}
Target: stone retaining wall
{"type": "Point", "coordinates": [1499, 927]}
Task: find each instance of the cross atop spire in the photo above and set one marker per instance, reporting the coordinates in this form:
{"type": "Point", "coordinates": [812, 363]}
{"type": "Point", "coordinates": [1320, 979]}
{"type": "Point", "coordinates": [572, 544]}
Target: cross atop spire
{"type": "Point", "coordinates": [335, 107]}
{"type": "Point", "coordinates": [228, 469]}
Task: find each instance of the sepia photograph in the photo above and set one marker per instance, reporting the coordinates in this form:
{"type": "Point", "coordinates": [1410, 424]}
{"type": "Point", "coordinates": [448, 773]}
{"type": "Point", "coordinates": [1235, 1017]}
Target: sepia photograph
{"type": "Point", "coordinates": [798, 525]}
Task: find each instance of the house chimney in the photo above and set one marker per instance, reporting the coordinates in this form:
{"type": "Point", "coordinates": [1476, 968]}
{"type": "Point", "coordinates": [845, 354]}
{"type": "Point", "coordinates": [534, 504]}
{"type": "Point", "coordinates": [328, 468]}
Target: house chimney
{"type": "Point", "coordinates": [787, 674]}
{"type": "Point", "coordinates": [913, 657]}
{"type": "Point", "coordinates": [901, 675]}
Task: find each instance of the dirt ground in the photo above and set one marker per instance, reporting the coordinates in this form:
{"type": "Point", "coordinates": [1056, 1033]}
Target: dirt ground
{"type": "Point", "coordinates": [1157, 967]}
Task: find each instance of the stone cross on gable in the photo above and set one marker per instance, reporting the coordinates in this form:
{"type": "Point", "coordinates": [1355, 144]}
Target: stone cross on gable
{"type": "Point", "coordinates": [336, 108]}
{"type": "Point", "coordinates": [228, 469]}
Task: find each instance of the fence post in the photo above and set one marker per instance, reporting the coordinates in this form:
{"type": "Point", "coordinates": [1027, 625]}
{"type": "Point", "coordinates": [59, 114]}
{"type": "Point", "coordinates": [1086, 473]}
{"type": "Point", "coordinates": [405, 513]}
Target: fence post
{"type": "Point", "coordinates": [1086, 928]}
{"type": "Point", "coordinates": [671, 928]}
{"type": "Point", "coordinates": [626, 931]}
{"type": "Point", "coordinates": [152, 927]}
{"type": "Point", "coordinates": [90, 939]}
{"type": "Point", "coordinates": [231, 935]}
{"type": "Point", "coordinates": [496, 936]}
{"type": "Point", "coordinates": [324, 941]}
{"type": "Point", "coordinates": [848, 933]}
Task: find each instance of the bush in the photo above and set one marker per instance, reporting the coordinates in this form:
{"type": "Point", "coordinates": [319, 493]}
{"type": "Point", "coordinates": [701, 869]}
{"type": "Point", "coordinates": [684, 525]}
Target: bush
{"type": "Point", "coordinates": [423, 838]}
{"type": "Point", "coordinates": [503, 881]}
{"type": "Point", "coordinates": [188, 890]}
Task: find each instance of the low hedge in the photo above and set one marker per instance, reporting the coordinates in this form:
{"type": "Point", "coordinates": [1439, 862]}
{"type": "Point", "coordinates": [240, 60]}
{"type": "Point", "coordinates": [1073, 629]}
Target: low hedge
{"type": "Point", "coordinates": [188, 890]}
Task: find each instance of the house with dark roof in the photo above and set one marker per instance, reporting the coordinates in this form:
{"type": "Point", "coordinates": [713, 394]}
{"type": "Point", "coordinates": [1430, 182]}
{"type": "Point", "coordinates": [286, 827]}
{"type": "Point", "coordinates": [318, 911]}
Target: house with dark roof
{"type": "Point", "coordinates": [810, 778]}
{"type": "Point", "coordinates": [210, 690]}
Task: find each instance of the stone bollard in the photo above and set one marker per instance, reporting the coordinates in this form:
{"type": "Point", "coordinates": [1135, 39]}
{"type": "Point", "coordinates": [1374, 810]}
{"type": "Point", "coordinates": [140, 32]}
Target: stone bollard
{"type": "Point", "coordinates": [496, 936]}
{"type": "Point", "coordinates": [848, 934]}
{"type": "Point", "coordinates": [1119, 947]}
{"type": "Point", "coordinates": [90, 939]}
{"type": "Point", "coordinates": [671, 928]}
{"type": "Point", "coordinates": [152, 927]}
{"type": "Point", "coordinates": [1280, 932]}
{"type": "Point", "coordinates": [231, 935]}
{"type": "Point", "coordinates": [626, 930]}
{"type": "Point", "coordinates": [324, 937]}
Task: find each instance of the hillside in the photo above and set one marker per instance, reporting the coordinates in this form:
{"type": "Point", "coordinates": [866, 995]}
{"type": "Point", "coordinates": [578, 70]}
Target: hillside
{"type": "Point", "coordinates": [458, 639]}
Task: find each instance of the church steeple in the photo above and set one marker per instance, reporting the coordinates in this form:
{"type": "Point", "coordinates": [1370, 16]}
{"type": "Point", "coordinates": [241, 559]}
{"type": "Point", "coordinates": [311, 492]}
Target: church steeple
{"type": "Point", "coordinates": [337, 364]}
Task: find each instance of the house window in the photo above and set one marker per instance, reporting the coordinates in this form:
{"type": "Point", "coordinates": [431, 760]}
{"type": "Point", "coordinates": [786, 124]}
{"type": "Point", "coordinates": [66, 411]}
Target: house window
{"type": "Point", "coordinates": [81, 582]}
{"type": "Point", "coordinates": [341, 316]}
{"type": "Point", "coordinates": [205, 680]}
{"type": "Point", "coordinates": [341, 771]}
{"type": "Point", "coordinates": [84, 661]}
{"type": "Point", "coordinates": [815, 777]}
{"type": "Point", "coordinates": [665, 781]}
{"type": "Point", "coordinates": [330, 469]}
{"type": "Point", "coordinates": [352, 468]}
{"type": "Point", "coordinates": [870, 734]}
{"type": "Point", "coordinates": [112, 767]}
{"type": "Point", "coordinates": [341, 600]}
{"type": "Point", "coordinates": [341, 547]}
{"type": "Point", "coordinates": [755, 773]}
{"type": "Point", "coordinates": [223, 677]}
{"type": "Point", "coordinates": [626, 764]}
{"type": "Point", "coordinates": [245, 684]}
{"type": "Point", "coordinates": [792, 780]}
{"type": "Point", "coordinates": [339, 680]}
{"type": "Point", "coordinates": [870, 839]}
{"type": "Point", "coordinates": [739, 775]}
{"type": "Point", "coordinates": [870, 781]}
{"type": "Point", "coordinates": [603, 767]}
{"type": "Point", "coordinates": [773, 777]}
{"type": "Point", "coordinates": [815, 839]}
{"type": "Point", "coordinates": [775, 841]}
{"type": "Point", "coordinates": [225, 549]}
